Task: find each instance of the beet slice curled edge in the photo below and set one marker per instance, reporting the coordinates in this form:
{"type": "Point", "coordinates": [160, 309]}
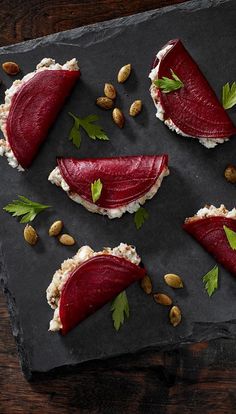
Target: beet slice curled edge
{"type": "Point", "coordinates": [33, 110]}
{"type": "Point", "coordinates": [92, 284]}
{"type": "Point", "coordinates": [209, 232]}
{"type": "Point", "coordinates": [125, 179]}
{"type": "Point", "coordinates": [195, 108]}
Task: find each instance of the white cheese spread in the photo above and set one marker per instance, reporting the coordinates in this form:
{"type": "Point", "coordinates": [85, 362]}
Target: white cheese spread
{"type": "Point", "coordinates": [212, 142]}
{"type": "Point", "coordinates": [160, 114]}
{"type": "Point", "coordinates": [53, 291]}
{"type": "Point", "coordinates": [153, 75]}
{"type": "Point", "coordinates": [55, 177]}
{"type": "Point", "coordinates": [212, 211]}
{"type": "Point", "coordinates": [45, 64]}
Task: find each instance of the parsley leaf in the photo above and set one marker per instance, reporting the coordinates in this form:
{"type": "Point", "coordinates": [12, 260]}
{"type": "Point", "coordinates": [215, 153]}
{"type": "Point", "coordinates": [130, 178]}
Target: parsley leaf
{"type": "Point", "coordinates": [26, 208]}
{"type": "Point", "coordinates": [211, 280]}
{"type": "Point", "coordinates": [140, 216]}
{"type": "Point", "coordinates": [120, 309]}
{"type": "Point", "coordinates": [231, 237]}
{"type": "Point", "coordinates": [229, 95]}
{"type": "Point", "coordinates": [96, 190]}
{"type": "Point", "coordinates": [94, 131]}
{"type": "Point", "coordinates": [75, 136]}
{"type": "Point", "coordinates": [168, 85]}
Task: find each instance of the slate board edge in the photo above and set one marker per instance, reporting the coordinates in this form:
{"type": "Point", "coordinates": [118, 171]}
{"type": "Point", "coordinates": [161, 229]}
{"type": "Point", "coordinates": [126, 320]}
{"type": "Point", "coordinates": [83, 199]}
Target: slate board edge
{"type": "Point", "coordinates": [190, 6]}
{"type": "Point", "coordinates": [219, 332]}
{"type": "Point", "coordinates": [14, 320]}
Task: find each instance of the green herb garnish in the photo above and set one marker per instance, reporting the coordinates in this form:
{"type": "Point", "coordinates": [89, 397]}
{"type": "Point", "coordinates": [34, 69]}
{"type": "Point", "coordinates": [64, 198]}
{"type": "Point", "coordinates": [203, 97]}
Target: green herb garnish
{"type": "Point", "coordinates": [96, 190]}
{"type": "Point", "coordinates": [94, 131]}
{"type": "Point", "coordinates": [26, 208]}
{"type": "Point", "coordinates": [231, 237]}
{"type": "Point", "coordinates": [120, 309]}
{"type": "Point", "coordinates": [168, 85]}
{"type": "Point", "coordinates": [211, 280]}
{"type": "Point", "coordinates": [229, 95]}
{"type": "Point", "coordinates": [75, 136]}
{"type": "Point", "coordinates": [140, 216]}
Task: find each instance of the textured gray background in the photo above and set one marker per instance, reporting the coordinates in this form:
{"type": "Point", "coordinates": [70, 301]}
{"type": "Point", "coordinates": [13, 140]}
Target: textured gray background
{"type": "Point", "coordinates": [196, 178]}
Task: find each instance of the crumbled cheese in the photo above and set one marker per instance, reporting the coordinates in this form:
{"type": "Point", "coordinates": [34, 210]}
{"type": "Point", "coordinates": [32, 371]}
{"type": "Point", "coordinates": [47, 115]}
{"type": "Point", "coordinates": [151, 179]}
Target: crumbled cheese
{"type": "Point", "coordinates": [173, 127]}
{"type": "Point", "coordinates": [160, 114]}
{"type": "Point", "coordinates": [212, 142]}
{"type": "Point", "coordinates": [212, 211]}
{"type": "Point", "coordinates": [55, 177]}
{"type": "Point", "coordinates": [153, 75]}
{"type": "Point", "coordinates": [50, 64]}
{"type": "Point", "coordinates": [123, 250]}
{"type": "Point", "coordinates": [45, 64]}
{"type": "Point", "coordinates": [55, 324]}
{"type": "Point", "coordinates": [53, 291]}
{"type": "Point", "coordinates": [5, 149]}
{"type": "Point", "coordinates": [206, 142]}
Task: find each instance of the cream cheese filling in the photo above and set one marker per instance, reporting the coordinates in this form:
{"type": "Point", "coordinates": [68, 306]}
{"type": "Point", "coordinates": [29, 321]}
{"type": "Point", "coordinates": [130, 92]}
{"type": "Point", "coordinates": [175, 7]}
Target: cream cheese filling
{"type": "Point", "coordinates": [53, 291]}
{"type": "Point", "coordinates": [160, 114]}
{"type": "Point", "coordinates": [212, 211]}
{"type": "Point", "coordinates": [55, 177]}
{"type": "Point", "coordinates": [45, 64]}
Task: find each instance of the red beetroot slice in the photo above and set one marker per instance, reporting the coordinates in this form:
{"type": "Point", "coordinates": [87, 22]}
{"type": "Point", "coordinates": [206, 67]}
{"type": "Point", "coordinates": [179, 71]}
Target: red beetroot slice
{"type": "Point", "coordinates": [94, 283]}
{"type": "Point", "coordinates": [195, 108]}
{"type": "Point", "coordinates": [33, 110]}
{"type": "Point", "coordinates": [209, 232]}
{"type": "Point", "coordinates": [124, 179]}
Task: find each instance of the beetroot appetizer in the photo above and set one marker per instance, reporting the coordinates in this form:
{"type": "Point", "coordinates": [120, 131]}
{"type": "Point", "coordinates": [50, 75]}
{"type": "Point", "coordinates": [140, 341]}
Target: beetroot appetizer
{"type": "Point", "coordinates": [126, 182]}
{"type": "Point", "coordinates": [31, 106]}
{"type": "Point", "coordinates": [210, 227]}
{"type": "Point", "coordinates": [88, 281]}
{"type": "Point", "coordinates": [184, 100]}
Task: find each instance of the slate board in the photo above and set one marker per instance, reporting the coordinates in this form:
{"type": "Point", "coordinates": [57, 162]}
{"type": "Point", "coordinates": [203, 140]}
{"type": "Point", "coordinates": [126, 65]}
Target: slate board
{"type": "Point", "coordinates": [208, 30]}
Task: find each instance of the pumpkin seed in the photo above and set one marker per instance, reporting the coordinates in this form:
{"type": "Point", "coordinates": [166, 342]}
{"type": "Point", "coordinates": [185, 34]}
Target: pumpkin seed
{"type": "Point", "coordinates": [118, 117]}
{"type": "Point", "coordinates": [230, 173]}
{"type": "Point", "coordinates": [163, 299]}
{"type": "Point", "coordinates": [173, 280]}
{"type": "Point", "coordinates": [30, 235]}
{"type": "Point", "coordinates": [66, 239]}
{"type": "Point", "coordinates": [55, 228]}
{"type": "Point", "coordinates": [11, 68]}
{"type": "Point", "coordinates": [175, 315]}
{"type": "Point", "coordinates": [146, 285]}
{"type": "Point", "coordinates": [135, 108]}
{"type": "Point", "coordinates": [104, 102]}
{"type": "Point", "coordinates": [109, 91]}
{"type": "Point", "coordinates": [124, 73]}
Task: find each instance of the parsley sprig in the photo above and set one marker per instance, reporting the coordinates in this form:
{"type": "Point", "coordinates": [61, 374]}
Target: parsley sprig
{"type": "Point", "coordinates": [167, 84]}
{"type": "Point", "coordinates": [25, 208]}
{"type": "Point", "coordinates": [231, 237]}
{"type": "Point", "coordinates": [93, 130]}
{"type": "Point", "coordinates": [120, 310]}
{"type": "Point", "coordinates": [229, 95]}
{"type": "Point", "coordinates": [211, 280]}
{"type": "Point", "coordinates": [140, 217]}
{"type": "Point", "coordinates": [96, 190]}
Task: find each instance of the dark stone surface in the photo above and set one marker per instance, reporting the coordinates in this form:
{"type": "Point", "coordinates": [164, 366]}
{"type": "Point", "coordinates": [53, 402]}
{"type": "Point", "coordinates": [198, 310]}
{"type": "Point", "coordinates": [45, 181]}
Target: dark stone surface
{"type": "Point", "coordinates": [196, 178]}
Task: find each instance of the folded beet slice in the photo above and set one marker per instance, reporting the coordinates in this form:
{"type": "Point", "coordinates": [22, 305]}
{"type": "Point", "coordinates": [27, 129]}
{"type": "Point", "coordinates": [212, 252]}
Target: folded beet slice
{"type": "Point", "coordinates": [209, 232]}
{"type": "Point", "coordinates": [33, 110]}
{"type": "Point", "coordinates": [125, 179]}
{"type": "Point", "coordinates": [194, 108]}
{"type": "Point", "coordinates": [92, 284]}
